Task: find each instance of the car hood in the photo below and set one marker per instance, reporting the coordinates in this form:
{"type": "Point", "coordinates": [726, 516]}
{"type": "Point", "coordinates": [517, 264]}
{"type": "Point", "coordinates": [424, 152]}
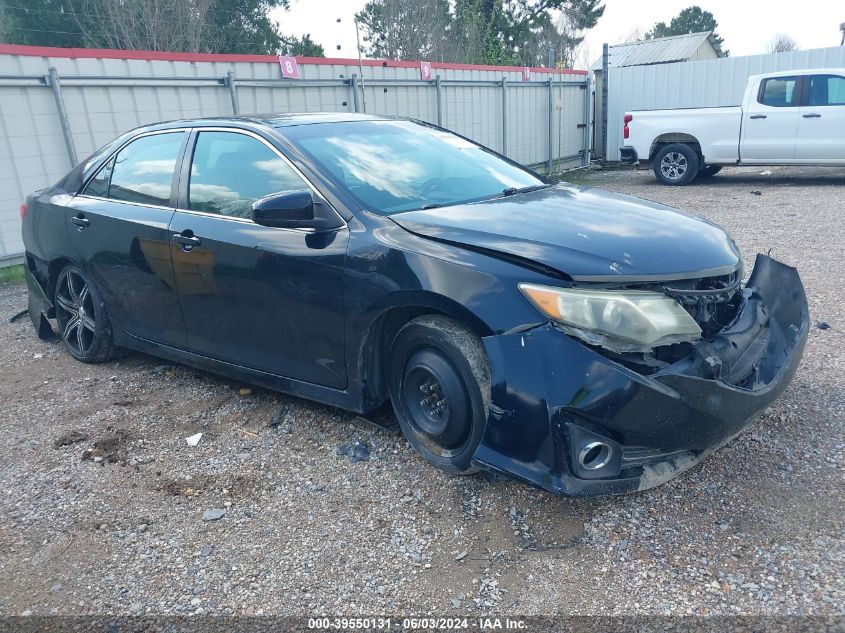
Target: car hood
{"type": "Point", "coordinates": [586, 233]}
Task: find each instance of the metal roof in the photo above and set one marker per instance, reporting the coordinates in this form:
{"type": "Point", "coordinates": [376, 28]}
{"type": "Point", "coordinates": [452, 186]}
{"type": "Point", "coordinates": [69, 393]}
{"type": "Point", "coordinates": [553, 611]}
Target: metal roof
{"type": "Point", "coordinates": [660, 50]}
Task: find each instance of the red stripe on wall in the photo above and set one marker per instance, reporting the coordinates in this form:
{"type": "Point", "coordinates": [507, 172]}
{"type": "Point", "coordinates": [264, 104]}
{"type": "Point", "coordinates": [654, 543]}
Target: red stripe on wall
{"type": "Point", "coordinates": [109, 53]}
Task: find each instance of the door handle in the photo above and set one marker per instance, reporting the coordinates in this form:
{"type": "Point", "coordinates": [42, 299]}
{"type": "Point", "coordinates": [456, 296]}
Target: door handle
{"type": "Point", "coordinates": [757, 116]}
{"type": "Point", "coordinates": [81, 221]}
{"type": "Point", "coordinates": [812, 115]}
{"type": "Point", "coordinates": [188, 241]}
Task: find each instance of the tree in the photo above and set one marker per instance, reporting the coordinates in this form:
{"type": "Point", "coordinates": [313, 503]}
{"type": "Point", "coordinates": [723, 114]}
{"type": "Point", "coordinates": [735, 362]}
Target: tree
{"type": "Point", "coordinates": [477, 31]}
{"type": "Point", "coordinates": [782, 43]}
{"type": "Point", "coordinates": [205, 26]}
{"type": "Point", "coordinates": [690, 20]}
{"type": "Point", "coordinates": [406, 29]}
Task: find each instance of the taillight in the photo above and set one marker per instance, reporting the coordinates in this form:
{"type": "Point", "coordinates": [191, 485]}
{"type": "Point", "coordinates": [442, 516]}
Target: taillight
{"type": "Point", "coordinates": [625, 131]}
{"type": "Point", "coordinates": [23, 210]}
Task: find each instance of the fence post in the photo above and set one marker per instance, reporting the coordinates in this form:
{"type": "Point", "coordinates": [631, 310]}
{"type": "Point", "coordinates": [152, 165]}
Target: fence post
{"type": "Point", "coordinates": [233, 92]}
{"type": "Point", "coordinates": [439, 86]}
{"type": "Point", "coordinates": [504, 115]}
{"type": "Point", "coordinates": [605, 69]}
{"type": "Point", "coordinates": [52, 80]}
{"type": "Point", "coordinates": [588, 114]}
{"type": "Point", "coordinates": [354, 83]}
{"type": "Point", "coordinates": [551, 125]}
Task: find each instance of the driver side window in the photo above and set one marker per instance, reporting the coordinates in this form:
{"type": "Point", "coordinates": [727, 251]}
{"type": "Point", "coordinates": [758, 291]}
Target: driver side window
{"type": "Point", "coordinates": [230, 171]}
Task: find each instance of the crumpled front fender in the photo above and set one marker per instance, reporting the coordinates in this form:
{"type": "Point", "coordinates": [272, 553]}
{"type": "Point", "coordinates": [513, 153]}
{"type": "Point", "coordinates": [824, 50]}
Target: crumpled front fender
{"type": "Point", "coordinates": [547, 388]}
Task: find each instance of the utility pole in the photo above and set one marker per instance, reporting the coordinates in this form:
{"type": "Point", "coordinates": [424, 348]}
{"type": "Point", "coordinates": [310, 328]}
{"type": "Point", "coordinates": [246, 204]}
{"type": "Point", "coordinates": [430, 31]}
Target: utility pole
{"type": "Point", "coordinates": [361, 66]}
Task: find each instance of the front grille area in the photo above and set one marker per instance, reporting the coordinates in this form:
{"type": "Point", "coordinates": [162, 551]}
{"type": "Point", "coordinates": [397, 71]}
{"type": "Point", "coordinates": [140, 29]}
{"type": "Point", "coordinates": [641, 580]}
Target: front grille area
{"type": "Point", "coordinates": [711, 301]}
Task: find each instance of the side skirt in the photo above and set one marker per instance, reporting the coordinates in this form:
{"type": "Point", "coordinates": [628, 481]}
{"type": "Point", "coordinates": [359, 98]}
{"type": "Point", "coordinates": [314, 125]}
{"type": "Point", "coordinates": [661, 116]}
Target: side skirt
{"type": "Point", "coordinates": [350, 399]}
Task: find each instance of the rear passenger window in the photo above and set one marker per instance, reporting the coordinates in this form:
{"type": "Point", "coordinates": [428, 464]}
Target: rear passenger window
{"type": "Point", "coordinates": [99, 184]}
{"type": "Point", "coordinates": [827, 90]}
{"type": "Point", "coordinates": [778, 92]}
{"type": "Point", "coordinates": [230, 171]}
{"type": "Point", "coordinates": [143, 170]}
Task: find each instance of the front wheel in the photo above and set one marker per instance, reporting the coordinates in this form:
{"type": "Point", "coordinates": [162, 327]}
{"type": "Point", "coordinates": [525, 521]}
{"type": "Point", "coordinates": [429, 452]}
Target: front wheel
{"type": "Point", "coordinates": [676, 164]}
{"type": "Point", "coordinates": [440, 389]}
{"type": "Point", "coordinates": [83, 317]}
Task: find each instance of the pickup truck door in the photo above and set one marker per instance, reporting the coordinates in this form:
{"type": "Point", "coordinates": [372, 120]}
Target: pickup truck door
{"type": "Point", "coordinates": [770, 122]}
{"type": "Point", "coordinates": [821, 124]}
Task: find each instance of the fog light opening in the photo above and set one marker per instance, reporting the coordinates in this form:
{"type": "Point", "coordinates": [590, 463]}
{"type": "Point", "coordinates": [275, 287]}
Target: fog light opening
{"type": "Point", "coordinates": [595, 455]}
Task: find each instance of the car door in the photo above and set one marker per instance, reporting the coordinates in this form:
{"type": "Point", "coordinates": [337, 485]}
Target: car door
{"type": "Point", "coordinates": [770, 122]}
{"type": "Point", "coordinates": [119, 228]}
{"type": "Point", "coordinates": [260, 297]}
{"type": "Point", "coordinates": [821, 125]}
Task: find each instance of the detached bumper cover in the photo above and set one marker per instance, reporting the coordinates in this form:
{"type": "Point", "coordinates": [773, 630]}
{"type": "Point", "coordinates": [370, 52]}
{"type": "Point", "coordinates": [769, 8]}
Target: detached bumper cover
{"type": "Point", "coordinates": [551, 392]}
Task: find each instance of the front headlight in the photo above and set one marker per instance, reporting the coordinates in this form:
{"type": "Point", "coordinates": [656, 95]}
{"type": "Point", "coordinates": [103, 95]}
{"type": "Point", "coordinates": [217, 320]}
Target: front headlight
{"type": "Point", "coordinates": [620, 320]}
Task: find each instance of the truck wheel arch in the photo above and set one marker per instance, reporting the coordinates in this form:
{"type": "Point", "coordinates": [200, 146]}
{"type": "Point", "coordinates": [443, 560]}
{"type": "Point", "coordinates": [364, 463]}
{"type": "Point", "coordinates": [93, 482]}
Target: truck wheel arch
{"type": "Point", "coordinates": [674, 137]}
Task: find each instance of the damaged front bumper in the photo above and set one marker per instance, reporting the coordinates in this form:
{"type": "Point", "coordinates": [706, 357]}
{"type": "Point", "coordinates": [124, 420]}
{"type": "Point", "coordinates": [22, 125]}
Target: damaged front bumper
{"type": "Point", "coordinates": [568, 419]}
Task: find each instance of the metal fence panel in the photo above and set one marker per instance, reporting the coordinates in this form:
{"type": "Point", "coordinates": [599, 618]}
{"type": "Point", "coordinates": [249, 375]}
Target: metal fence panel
{"type": "Point", "coordinates": [104, 96]}
{"type": "Point", "coordinates": [707, 83]}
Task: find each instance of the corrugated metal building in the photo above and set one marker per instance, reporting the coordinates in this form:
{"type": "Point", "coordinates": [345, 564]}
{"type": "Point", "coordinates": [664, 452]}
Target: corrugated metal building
{"type": "Point", "coordinates": [661, 50]}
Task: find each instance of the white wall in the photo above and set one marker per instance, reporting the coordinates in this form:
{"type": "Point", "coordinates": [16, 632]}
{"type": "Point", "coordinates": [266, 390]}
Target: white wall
{"type": "Point", "coordinates": [715, 82]}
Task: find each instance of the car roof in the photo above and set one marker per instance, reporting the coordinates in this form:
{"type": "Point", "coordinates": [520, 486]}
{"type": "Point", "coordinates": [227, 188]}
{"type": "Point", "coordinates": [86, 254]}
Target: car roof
{"type": "Point", "coordinates": [277, 120]}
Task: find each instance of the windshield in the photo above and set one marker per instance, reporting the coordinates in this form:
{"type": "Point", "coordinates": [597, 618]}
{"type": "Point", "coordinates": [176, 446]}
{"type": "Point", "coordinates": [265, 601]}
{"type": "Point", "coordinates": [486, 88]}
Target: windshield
{"type": "Point", "coordinates": [394, 166]}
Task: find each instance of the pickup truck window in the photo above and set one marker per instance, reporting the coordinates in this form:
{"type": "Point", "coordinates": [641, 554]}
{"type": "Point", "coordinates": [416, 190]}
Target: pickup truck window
{"type": "Point", "coordinates": [827, 90]}
{"type": "Point", "coordinates": [778, 92]}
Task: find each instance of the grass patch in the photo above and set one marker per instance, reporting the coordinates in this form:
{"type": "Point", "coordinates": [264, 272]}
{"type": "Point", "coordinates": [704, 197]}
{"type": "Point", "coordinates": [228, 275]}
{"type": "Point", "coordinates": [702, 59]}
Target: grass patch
{"type": "Point", "coordinates": [11, 275]}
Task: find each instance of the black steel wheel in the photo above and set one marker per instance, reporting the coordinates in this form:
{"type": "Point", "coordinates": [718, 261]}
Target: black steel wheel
{"type": "Point", "coordinates": [83, 317]}
{"type": "Point", "coordinates": [676, 164]}
{"type": "Point", "coordinates": [440, 389]}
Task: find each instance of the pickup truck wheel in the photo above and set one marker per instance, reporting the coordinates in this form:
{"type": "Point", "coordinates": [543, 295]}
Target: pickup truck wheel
{"type": "Point", "coordinates": [709, 170]}
{"type": "Point", "coordinates": [676, 164]}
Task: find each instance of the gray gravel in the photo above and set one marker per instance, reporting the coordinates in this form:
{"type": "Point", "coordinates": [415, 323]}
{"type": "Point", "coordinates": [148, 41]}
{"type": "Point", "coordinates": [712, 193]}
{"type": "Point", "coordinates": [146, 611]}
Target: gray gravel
{"type": "Point", "coordinates": [274, 519]}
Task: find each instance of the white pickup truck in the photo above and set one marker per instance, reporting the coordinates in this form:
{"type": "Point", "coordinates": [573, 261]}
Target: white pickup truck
{"type": "Point", "coordinates": [787, 118]}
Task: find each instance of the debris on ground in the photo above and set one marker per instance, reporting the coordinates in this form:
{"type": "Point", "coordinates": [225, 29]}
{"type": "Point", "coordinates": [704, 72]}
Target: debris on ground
{"type": "Point", "coordinates": [214, 515]}
{"type": "Point", "coordinates": [357, 451]}
{"type": "Point", "coordinates": [757, 193]}
{"type": "Point", "coordinates": [110, 449]}
{"type": "Point", "coordinates": [193, 440]}
{"type": "Point", "coordinates": [245, 391]}
{"type": "Point", "coordinates": [71, 437]}
{"type": "Point", "coordinates": [823, 325]}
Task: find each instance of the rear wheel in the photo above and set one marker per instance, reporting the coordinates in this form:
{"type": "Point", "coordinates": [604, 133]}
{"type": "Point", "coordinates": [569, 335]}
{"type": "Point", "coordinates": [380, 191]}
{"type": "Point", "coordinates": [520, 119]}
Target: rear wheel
{"type": "Point", "coordinates": [676, 164]}
{"type": "Point", "coordinates": [440, 389]}
{"type": "Point", "coordinates": [83, 317]}
{"type": "Point", "coordinates": [709, 170]}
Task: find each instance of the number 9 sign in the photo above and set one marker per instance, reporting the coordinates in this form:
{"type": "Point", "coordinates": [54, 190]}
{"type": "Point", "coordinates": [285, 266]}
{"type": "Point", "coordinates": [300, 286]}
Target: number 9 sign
{"type": "Point", "coordinates": [425, 71]}
{"type": "Point", "coordinates": [289, 68]}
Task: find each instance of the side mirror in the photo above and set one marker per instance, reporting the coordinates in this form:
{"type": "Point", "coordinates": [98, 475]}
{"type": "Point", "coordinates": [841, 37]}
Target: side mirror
{"type": "Point", "coordinates": [289, 209]}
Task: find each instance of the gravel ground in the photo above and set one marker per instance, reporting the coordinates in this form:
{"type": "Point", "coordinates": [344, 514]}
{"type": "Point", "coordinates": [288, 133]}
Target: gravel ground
{"type": "Point", "coordinates": [116, 521]}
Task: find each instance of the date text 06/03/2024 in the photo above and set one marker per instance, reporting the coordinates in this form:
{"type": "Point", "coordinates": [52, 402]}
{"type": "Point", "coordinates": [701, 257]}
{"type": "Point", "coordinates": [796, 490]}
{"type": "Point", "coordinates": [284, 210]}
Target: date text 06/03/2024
{"type": "Point", "coordinates": [380, 623]}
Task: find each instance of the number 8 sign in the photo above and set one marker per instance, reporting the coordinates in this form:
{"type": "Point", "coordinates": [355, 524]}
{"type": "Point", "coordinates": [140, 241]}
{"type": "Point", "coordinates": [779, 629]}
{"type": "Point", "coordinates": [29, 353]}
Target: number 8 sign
{"type": "Point", "coordinates": [289, 68]}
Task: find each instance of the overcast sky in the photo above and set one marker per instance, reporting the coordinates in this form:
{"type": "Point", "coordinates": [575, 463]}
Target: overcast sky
{"type": "Point", "coordinates": [746, 25]}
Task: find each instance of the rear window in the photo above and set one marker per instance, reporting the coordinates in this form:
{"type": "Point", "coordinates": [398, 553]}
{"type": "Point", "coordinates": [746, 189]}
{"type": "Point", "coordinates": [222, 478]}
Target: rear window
{"type": "Point", "coordinates": [141, 172]}
{"type": "Point", "coordinates": [778, 92]}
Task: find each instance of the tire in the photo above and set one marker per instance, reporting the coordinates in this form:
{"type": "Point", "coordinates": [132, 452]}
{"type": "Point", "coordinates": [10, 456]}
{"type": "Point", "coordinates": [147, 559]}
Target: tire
{"type": "Point", "coordinates": [676, 164]}
{"type": "Point", "coordinates": [83, 317]}
{"type": "Point", "coordinates": [440, 389]}
{"type": "Point", "coordinates": [708, 171]}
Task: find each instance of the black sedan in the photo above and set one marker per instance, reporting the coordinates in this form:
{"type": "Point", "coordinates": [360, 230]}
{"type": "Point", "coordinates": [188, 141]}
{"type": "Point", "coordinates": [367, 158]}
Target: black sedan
{"type": "Point", "coordinates": [585, 342]}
